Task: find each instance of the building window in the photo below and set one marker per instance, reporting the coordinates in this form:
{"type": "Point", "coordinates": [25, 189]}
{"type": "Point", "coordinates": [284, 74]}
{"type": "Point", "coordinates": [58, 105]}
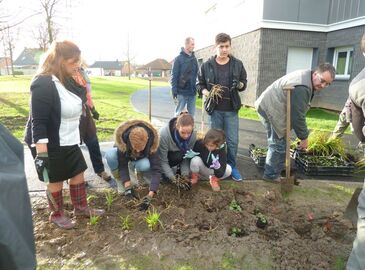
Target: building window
{"type": "Point", "coordinates": [342, 61]}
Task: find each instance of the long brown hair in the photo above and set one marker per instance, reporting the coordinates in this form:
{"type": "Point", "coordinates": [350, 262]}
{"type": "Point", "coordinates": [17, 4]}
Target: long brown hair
{"type": "Point", "coordinates": [54, 58]}
{"type": "Point", "coordinates": [215, 136]}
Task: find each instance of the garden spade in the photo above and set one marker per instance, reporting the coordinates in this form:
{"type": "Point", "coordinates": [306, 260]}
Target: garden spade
{"type": "Point", "coordinates": [287, 182]}
{"type": "Point", "coordinates": [351, 209]}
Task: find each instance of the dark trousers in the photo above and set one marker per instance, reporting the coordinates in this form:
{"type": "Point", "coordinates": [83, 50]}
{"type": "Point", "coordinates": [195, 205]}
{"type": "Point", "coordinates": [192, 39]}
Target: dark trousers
{"type": "Point", "coordinates": [92, 145]}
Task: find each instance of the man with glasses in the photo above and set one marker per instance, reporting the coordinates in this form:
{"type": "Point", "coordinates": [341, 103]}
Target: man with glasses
{"type": "Point", "coordinates": [271, 107]}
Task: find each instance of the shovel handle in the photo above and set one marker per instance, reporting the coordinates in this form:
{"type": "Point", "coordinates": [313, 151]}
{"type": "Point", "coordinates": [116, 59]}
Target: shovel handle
{"type": "Point", "coordinates": [288, 90]}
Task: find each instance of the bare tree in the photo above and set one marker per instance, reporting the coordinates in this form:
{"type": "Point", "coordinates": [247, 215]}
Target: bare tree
{"type": "Point", "coordinates": [8, 43]}
{"type": "Point", "coordinates": [49, 8]}
{"type": "Point", "coordinates": [40, 34]}
{"type": "Point", "coordinates": [129, 57]}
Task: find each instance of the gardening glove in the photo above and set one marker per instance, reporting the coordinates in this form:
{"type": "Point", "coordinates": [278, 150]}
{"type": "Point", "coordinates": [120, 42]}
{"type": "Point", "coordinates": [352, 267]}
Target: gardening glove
{"type": "Point", "coordinates": [146, 201]}
{"type": "Point", "coordinates": [215, 163]}
{"type": "Point", "coordinates": [95, 113]}
{"type": "Point", "coordinates": [130, 194]}
{"type": "Point", "coordinates": [190, 154]}
{"type": "Point", "coordinates": [236, 84]}
{"type": "Point", "coordinates": [41, 162]}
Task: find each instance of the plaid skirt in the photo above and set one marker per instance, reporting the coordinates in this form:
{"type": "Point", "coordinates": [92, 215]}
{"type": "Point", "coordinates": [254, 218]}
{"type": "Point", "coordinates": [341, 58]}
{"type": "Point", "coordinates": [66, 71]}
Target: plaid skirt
{"type": "Point", "coordinates": [65, 162]}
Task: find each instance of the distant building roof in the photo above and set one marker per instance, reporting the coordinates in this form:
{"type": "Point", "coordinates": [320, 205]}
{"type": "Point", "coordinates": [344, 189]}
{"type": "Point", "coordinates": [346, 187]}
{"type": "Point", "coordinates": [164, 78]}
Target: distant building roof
{"type": "Point", "coordinates": [158, 64]}
{"type": "Point", "coordinates": [114, 65]}
{"type": "Point", "coordinates": [28, 57]}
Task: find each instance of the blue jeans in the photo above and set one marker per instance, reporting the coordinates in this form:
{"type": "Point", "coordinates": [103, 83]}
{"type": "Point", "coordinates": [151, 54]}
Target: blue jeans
{"type": "Point", "coordinates": [141, 165]}
{"type": "Point", "coordinates": [95, 154]}
{"type": "Point", "coordinates": [228, 122]}
{"type": "Point", "coordinates": [275, 157]}
{"type": "Point", "coordinates": [189, 101]}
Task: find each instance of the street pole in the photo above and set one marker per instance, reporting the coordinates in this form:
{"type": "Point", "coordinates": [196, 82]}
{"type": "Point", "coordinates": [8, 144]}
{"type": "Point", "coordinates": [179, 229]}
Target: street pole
{"type": "Point", "coordinates": [149, 96]}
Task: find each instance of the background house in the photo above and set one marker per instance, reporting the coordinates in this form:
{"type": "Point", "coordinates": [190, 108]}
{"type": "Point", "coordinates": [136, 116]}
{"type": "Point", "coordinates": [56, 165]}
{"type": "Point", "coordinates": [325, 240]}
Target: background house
{"type": "Point", "coordinates": [107, 68]}
{"type": "Point", "coordinates": [28, 60]}
{"type": "Point", "coordinates": [5, 68]}
{"type": "Point", "coordinates": [158, 68]}
{"type": "Point", "coordinates": [285, 35]}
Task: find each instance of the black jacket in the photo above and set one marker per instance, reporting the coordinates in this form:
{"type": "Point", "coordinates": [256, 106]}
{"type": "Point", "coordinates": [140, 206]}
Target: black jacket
{"type": "Point", "coordinates": [206, 157]}
{"type": "Point", "coordinates": [45, 110]}
{"type": "Point", "coordinates": [208, 76]}
{"type": "Point", "coordinates": [184, 73]}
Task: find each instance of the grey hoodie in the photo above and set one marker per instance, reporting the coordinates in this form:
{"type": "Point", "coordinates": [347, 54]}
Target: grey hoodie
{"type": "Point", "coordinates": [167, 144]}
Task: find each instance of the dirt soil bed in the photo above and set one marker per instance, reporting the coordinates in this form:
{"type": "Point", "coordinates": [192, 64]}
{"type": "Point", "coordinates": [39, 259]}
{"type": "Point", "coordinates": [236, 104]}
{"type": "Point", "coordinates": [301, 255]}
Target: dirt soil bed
{"type": "Point", "coordinates": [200, 229]}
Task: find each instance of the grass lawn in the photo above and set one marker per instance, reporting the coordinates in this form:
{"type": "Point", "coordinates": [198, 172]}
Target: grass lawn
{"type": "Point", "coordinates": [317, 119]}
{"type": "Point", "coordinates": [111, 96]}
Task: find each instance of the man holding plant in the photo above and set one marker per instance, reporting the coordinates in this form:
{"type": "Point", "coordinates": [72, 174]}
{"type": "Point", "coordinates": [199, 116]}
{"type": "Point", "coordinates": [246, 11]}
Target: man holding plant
{"type": "Point", "coordinates": [271, 107]}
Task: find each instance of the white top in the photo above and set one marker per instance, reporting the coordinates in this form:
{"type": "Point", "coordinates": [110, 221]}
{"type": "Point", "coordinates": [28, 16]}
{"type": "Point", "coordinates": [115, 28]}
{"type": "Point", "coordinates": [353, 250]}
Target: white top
{"type": "Point", "coordinates": [71, 109]}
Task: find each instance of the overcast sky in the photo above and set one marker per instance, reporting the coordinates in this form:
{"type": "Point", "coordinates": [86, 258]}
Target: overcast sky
{"type": "Point", "coordinates": [156, 28]}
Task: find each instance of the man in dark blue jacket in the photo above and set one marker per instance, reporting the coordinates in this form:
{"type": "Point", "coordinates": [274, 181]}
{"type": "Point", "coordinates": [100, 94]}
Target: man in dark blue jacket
{"type": "Point", "coordinates": [183, 78]}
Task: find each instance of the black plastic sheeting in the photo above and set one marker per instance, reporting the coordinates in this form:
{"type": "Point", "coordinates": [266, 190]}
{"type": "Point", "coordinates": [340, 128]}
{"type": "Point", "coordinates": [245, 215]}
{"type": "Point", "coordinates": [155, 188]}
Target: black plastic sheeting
{"type": "Point", "coordinates": [17, 250]}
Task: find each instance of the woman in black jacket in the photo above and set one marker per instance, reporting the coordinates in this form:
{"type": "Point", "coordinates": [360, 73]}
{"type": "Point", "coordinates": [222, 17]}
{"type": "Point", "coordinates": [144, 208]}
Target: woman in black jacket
{"type": "Point", "coordinates": [211, 159]}
{"type": "Point", "coordinates": [57, 103]}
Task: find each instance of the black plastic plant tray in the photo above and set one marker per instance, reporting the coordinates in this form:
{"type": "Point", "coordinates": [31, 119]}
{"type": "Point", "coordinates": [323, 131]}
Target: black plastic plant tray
{"type": "Point", "coordinates": [259, 160]}
{"type": "Point", "coordinates": [309, 168]}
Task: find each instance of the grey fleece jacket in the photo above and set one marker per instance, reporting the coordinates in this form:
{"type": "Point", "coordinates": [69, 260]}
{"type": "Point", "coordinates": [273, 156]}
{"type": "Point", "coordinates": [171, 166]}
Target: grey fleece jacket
{"type": "Point", "coordinates": [273, 102]}
{"type": "Point", "coordinates": [357, 90]}
{"type": "Point", "coordinates": [167, 144]}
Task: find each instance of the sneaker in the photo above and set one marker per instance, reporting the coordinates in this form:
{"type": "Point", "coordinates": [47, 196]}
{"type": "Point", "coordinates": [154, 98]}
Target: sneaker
{"type": "Point", "coordinates": [235, 174]}
{"type": "Point", "coordinates": [214, 183]}
{"type": "Point", "coordinates": [194, 178]}
{"type": "Point", "coordinates": [105, 176]}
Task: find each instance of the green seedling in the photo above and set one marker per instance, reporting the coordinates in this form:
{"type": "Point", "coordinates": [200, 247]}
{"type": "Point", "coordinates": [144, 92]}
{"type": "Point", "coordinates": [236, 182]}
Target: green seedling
{"type": "Point", "coordinates": [153, 220]}
{"type": "Point", "coordinates": [235, 232]}
{"type": "Point", "coordinates": [94, 220]}
{"type": "Point", "coordinates": [234, 206]}
{"type": "Point", "coordinates": [261, 217]}
{"type": "Point", "coordinates": [91, 198]}
{"type": "Point", "coordinates": [109, 196]}
{"type": "Point", "coordinates": [126, 223]}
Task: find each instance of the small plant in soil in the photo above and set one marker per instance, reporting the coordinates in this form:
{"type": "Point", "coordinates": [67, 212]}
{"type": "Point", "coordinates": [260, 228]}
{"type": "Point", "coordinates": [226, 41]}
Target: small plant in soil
{"type": "Point", "coordinates": [256, 211]}
{"type": "Point", "coordinates": [126, 223]}
{"type": "Point", "coordinates": [235, 232]}
{"type": "Point", "coordinates": [234, 206]}
{"type": "Point", "coordinates": [153, 220]}
{"type": "Point", "coordinates": [109, 196]}
{"type": "Point", "coordinates": [91, 198]}
{"type": "Point", "coordinates": [94, 220]}
{"type": "Point", "coordinates": [261, 221]}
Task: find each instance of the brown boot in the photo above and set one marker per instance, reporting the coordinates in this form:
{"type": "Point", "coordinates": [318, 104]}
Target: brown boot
{"type": "Point", "coordinates": [78, 198]}
{"type": "Point", "coordinates": [57, 216]}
